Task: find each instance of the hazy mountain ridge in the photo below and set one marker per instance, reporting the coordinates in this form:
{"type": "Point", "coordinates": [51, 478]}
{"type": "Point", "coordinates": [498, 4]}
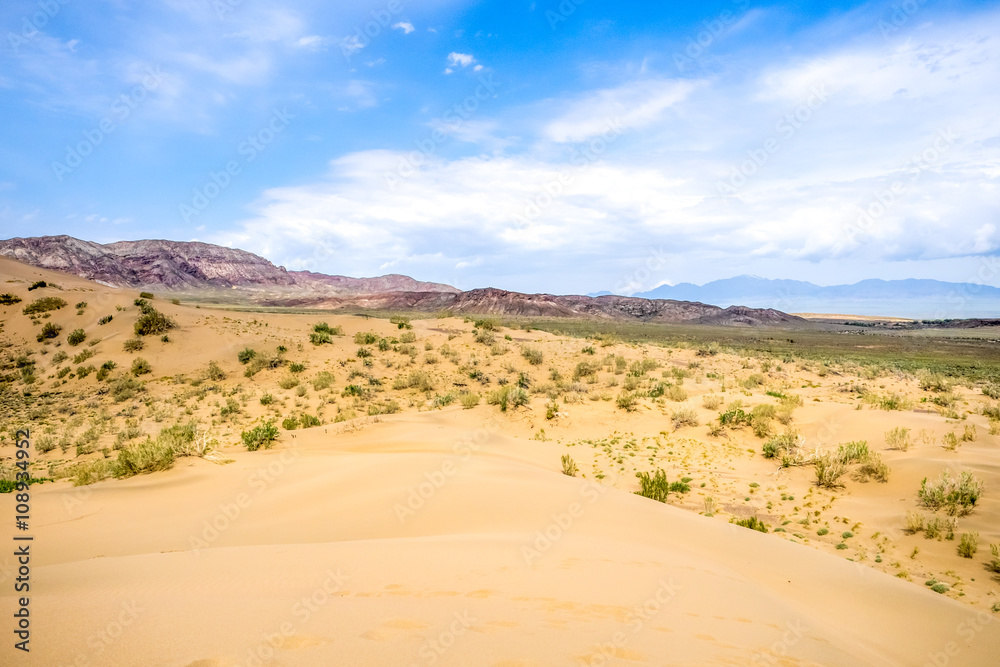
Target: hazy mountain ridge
{"type": "Point", "coordinates": [915, 298]}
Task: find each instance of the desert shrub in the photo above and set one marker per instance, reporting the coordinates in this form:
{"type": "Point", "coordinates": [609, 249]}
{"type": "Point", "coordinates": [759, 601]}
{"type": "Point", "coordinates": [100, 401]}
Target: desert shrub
{"type": "Point", "coordinates": [969, 433]}
{"type": "Point", "coordinates": [950, 441]}
{"type": "Point", "coordinates": [262, 361]}
{"type": "Point", "coordinates": [59, 357]}
{"type": "Point", "coordinates": [259, 436]}
{"type": "Point", "coordinates": [288, 382]}
{"type": "Point", "coordinates": [889, 402]}
{"type": "Point", "coordinates": [585, 369]}
{"type": "Point", "coordinates": [993, 565]}
{"type": "Point", "coordinates": [245, 355]}
{"type": "Point", "coordinates": [266, 399]}
{"type": "Point", "coordinates": [8, 299]}
{"type": "Point", "coordinates": [213, 372]}
{"type": "Point", "coordinates": [324, 328]}
{"type": "Point", "coordinates": [44, 444]}
{"type": "Point", "coordinates": [76, 337]}
{"type": "Point", "coordinates": [487, 324]}
{"type": "Point", "coordinates": [323, 380]}
{"type": "Point", "coordinates": [956, 496]}
{"type": "Point", "coordinates": [508, 397]}
{"type": "Point", "coordinates": [627, 401]}
{"type": "Point", "coordinates": [290, 423]}
{"type": "Point", "coordinates": [532, 354]}
{"type": "Point", "coordinates": [753, 523]}
{"type": "Point", "coordinates": [653, 486]}
{"type": "Point", "coordinates": [50, 330]}
{"type": "Point", "coordinates": [734, 417]}
{"type": "Point", "coordinates": [568, 465]}
{"type": "Point", "coordinates": [152, 322]}
{"type": "Point", "coordinates": [968, 545]}
{"type": "Point", "coordinates": [133, 345]}
{"type": "Point", "coordinates": [386, 407]}
{"type": "Point", "coordinates": [935, 382]}
{"type": "Point", "coordinates": [684, 417]}
{"type": "Point", "coordinates": [419, 380]}
{"type": "Point", "coordinates": [363, 353]}
{"type": "Point", "coordinates": [675, 393]}
{"type": "Point", "coordinates": [484, 337]}
{"type": "Point", "coordinates": [991, 390]}
{"type": "Point", "coordinates": [309, 421]}
{"type": "Point", "coordinates": [140, 367]}
{"type": "Point", "coordinates": [872, 467]}
{"type": "Point", "coordinates": [145, 457]}
{"type": "Point", "coordinates": [105, 370]}
{"type": "Point", "coordinates": [84, 371]}
{"type": "Point", "coordinates": [401, 322]}
{"type": "Point", "coordinates": [852, 452]}
{"type": "Point", "coordinates": [317, 338]}
{"type": "Point", "coordinates": [44, 305]}
{"type": "Point", "coordinates": [468, 400]}
{"type": "Point", "coordinates": [829, 469]}
{"type": "Point", "coordinates": [408, 337]}
{"type": "Point", "coordinates": [146, 295]}
{"type": "Point", "coordinates": [779, 445]}
{"type": "Point", "coordinates": [104, 320]}
{"type": "Point", "coordinates": [753, 381]}
{"type": "Point", "coordinates": [711, 401]}
{"type": "Point", "coordinates": [761, 425]}
{"type": "Point", "coordinates": [365, 338]}
{"type": "Point", "coordinates": [296, 368]}
{"type": "Point", "coordinates": [898, 438]}
{"type": "Point", "coordinates": [124, 387]}
{"type": "Point", "coordinates": [914, 522]}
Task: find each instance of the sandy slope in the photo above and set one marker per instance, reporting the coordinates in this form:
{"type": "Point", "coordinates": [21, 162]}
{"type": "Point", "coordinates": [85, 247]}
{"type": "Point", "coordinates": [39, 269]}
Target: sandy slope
{"type": "Point", "coordinates": [624, 581]}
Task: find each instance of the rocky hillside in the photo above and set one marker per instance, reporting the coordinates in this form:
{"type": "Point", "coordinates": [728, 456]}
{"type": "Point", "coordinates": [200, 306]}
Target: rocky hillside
{"type": "Point", "coordinates": [189, 266]}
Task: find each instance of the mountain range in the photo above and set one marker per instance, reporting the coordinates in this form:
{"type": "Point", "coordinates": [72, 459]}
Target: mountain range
{"type": "Point", "coordinates": [913, 298]}
{"type": "Point", "coordinates": [228, 275]}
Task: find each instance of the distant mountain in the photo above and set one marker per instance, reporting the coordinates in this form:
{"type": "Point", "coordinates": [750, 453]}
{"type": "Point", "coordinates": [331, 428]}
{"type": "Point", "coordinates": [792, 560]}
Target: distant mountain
{"type": "Point", "coordinates": [190, 266]}
{"type": "Point", "coordinates": [917, 299]}
{"type": "Point", "coordinates": [229, 275]}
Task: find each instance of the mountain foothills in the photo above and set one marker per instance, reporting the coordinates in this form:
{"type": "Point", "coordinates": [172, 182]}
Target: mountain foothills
{"type": "Point", "coordinates": [230, 275]}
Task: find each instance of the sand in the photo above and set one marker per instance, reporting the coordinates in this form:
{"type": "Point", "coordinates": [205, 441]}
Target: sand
{"type": "Point", "coordinates": [451, 537]}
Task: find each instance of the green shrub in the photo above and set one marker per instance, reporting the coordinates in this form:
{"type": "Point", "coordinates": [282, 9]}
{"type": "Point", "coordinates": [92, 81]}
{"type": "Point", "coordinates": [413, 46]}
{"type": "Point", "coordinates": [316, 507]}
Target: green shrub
{"type": "Point", "coordinates": [872, 467]}
{"type": "Point", "coordinates": [290, 423]}
{"type": "Point", "coordinates": [9, 299]}
{"type": "Point", "coordinates": [585, 369]}
{"type": "Point", "coordinates": [781, 444]}
{"type": "Point", "coordinates": [968, 545]}
{"type": "Point", "coordinates": [296, 368]}
{"type": "Point", "coordinates": [753, 523]}
{"type": "Point", "coordinates": [508, 397]}
{"type": "Point", "coordinates": [407, 337]}
{"type": "Point", "coordinates": [956, 496]}
{"type": "Point", "coordinates": [468, 400]}
{"type": "Point", "coordinates": [308, 421]}
{"type": "Point", "coordinates": [532, 354]}
{"type": "Point", "coordinates": [140, 367]}
{"type": "Point", "coordinates": [386, 407]}
{"type": "Point", "coordinates": [266, 399]}
{"type": "Point", "coordinates": [245, 355]}
{"type": "Point", "coordinates": [152, 322]}
{"type": "Point", "coordinates": [401, 322]}
{"type": "Point", "coordinates": [822, 531]}
{"type": "Point", "coordinates": [898, 438]}
{"type": "Point", "coordinates": [37, 284]}
{"type": "Point", "coordinates": [993, 565]}
{"type": "Point", "coordinates": [684, 417]}
{"type": "Point", "coordinates": [734, 417]}
{"type": "Point", "coordinates": [289, 382]}
{"type": "Point", "coordinates": [50, 330]}
{"type": "Point", "coordinates": [84, 371]}
{"type": "Point", "coordinates": [44, 305]}
{"type": "Point", "coordinates": [653, 486]}
{"type": "Point", "coordinates": [711, 401]}
{"type": "Point", "coordinates": [146, 295]}
{"type": "Point", "coordinates": [442, 401]}
{"type": "Point", "coordinates": [124, 387]}
{"type": "Point", "coordinates": [317, 338]}
{"type": "Point", "coordinates": [133, 345]}
{"type": "Point", "coordinates": [260, 436]}
{"type": "Point", "coordinates": [365, 338]}
{"type": "Point", "coordinates": [627, 401]}
{"type": "Point", "coordinates": [323, 380]}
{"type": "Point", "coordinates": [487, 324]}
{"type": "Point", "coordinates": [829, 469]}
{"type": "Point", "coordinates": [76, 337]}
{"type": "Point", "coordinates": [568, 466]}
{"type": "Point", "coordinates": [420, 380]}
{"type": "Point", "coordinates": [104, 320]}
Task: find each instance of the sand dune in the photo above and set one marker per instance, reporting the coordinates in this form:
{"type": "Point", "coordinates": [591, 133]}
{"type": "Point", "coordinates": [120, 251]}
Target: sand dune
{"type": "Point", "coordinates": [450, 536]}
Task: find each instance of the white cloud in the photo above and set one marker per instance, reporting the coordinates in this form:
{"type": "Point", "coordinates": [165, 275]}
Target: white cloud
{"type": "Point", "coordinates": [459, 60]}
{"type": "Point", "coordinates": [405, 26]}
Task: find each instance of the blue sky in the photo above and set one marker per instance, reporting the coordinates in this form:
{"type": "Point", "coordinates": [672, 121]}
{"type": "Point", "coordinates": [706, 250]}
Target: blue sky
{"type": "Point", "coordinates": [566, 147]}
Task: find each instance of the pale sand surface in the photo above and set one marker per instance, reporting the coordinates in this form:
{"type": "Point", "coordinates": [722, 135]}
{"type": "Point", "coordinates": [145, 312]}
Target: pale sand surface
{"type": "Point", "coordinates": [313, 561]}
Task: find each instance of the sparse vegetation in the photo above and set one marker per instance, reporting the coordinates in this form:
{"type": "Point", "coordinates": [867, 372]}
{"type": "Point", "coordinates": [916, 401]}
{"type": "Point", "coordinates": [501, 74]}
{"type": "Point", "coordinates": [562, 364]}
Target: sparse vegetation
{"type": "Point", "coordinates": [753, 523]}
{"type": "Point", "coordinates": [259, 436]}
{"type": "Point", "coordinates": [968, 545]}
{"type": "Point", "coordinates": [955, 496]}
{"type": "Point", "coordinates": [568, 466]}
{"type": "Point", "coordinates": [76, 337]}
